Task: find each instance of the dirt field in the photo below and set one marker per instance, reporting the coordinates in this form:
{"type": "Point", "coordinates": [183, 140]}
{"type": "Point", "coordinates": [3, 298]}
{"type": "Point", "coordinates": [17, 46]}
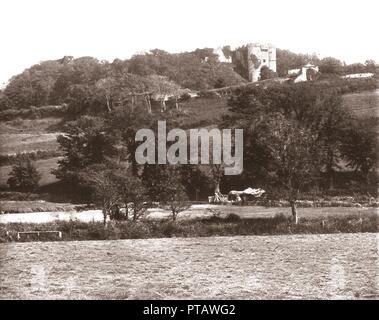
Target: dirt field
{"type": "Point", "coordinates": [257, 267]}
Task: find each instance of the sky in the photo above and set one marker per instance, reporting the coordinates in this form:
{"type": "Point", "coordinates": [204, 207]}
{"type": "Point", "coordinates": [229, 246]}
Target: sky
{"type": "Point", "coordinates": [38, 30]}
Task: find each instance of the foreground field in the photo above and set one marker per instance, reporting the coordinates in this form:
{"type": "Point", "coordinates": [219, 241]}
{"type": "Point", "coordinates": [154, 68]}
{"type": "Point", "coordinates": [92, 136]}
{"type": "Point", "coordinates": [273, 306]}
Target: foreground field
{"type": "Point", "coordinates": [257, 267]}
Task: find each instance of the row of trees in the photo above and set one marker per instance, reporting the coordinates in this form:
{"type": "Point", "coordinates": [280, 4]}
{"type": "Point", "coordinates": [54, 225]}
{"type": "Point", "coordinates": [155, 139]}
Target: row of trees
{"type": "Point", "coordinates": [121, 193]}
{"type": "Point", "coordinates": [296, 137]}
{"type": "Point", "coordinates": [87, 82]}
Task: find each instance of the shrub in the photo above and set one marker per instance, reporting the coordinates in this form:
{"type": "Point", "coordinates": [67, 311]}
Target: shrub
{"type": "Point", "coordinates": [24, 175]}
{"type": "Point", "coordinates": [280, 217]}
{"type": "Point", "coordinates": [19, 196]}
{"type": "Point", "coordinates": [232, 217]}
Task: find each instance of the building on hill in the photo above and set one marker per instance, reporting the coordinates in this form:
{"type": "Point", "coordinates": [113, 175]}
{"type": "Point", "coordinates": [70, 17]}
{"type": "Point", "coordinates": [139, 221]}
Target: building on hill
{"type": "Point", "coordinates": [305, 73]}
{"type": "Point", "coordinates": [221, 55]}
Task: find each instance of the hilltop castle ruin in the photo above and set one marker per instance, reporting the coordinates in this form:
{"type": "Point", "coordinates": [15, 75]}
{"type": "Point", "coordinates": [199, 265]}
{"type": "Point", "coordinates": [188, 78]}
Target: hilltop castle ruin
{"type": "Point", "coordinates": [258, 56]}
{"type": "Point", "coordinates": [249, 60]}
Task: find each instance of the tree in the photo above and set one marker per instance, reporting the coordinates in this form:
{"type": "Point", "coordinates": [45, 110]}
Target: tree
{"type": "Point", "coordinates": [103, 182]}
{"type": "Point", "coordinates": [227, 51]}
{"type": "Point", "coordinates": [82, 99]}
{"type": "Point", "coordinates": [360, 147]}
{"type": "Point", "coordinates": [195, 181]}
{"type": "Point", "coordinates": [216, 174]}
{"type": "Point", "coordinates": [267, 73]}
{"type": "Point", "coordinates": [197, 70]}
{"type": "Point", "coordinates": [220, 83]}
{"type": "Point", "coordinates": [371, 66]}
{"type": "Point", "coordinates": [4, 101]}
{"type": "Point", "coordinates": [330, 65]}
{"type": "Point", "coordinates": [24, 175]}
{"type": "Point", "coordinates": [164, 184]}
{"type": "Point", "coordinates": [124, 123]}
{"type": "Point", "coordinates": [132, 192]}
{"type": "Point", "coordinates": [106, 87]}
{"type": "Point", "coordinates": [34, 86]}
{"type": "Point", "coordinates": [295, 155]}
{"type": "Point", "coordinates": [83, 143]}
{"type": "Point", "coordinates": [130, 87]}
{"type": "Point", "coordinates": [287, 60]}
{"type": "Point", "coordinates": [174, 195]}
{"type": "Point", "coordinates": [329, 121]}
{"type": "Point", "coordinates": [163, 88]}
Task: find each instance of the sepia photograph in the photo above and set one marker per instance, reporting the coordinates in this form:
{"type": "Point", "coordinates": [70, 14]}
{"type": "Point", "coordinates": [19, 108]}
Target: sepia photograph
{"type": "Point", "coordinates": [166, 151]}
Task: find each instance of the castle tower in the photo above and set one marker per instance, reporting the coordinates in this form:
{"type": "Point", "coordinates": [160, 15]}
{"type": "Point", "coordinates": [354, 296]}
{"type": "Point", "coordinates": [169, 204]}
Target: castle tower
{"type": "Point", "coordinates": [259, 55]}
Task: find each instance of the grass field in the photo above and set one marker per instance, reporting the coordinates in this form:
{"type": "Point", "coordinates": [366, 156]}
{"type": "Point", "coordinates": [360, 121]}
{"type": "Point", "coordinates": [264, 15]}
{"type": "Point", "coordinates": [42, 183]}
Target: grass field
{"type": "Point", "coordinates": [364, 104]}
{"type": "Point", "coordinates": [254, 267]}
{"type": "Point", "coordinates": [44, 125]}
{"type": "Point", "coordinates": [43, 166]}
{"type": "Point", "coordinates": [203, 112]}
{"type": "Point", "coordinates": [27, 142]}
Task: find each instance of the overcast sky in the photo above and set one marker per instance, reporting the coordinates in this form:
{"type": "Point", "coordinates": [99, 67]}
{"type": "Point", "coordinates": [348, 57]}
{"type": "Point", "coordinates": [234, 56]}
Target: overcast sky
{"type": "Point", "coordinates": [36, 30]}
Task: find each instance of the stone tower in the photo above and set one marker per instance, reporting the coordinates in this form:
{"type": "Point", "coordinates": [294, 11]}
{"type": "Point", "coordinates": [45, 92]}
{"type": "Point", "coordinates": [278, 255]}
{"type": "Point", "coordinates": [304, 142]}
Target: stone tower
{"type": "Point", "coordinates": [259, 55]}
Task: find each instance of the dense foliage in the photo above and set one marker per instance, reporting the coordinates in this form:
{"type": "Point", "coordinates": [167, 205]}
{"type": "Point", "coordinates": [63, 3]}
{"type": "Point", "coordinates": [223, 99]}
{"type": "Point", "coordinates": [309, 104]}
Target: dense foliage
{"type": "Point", "coordinates": [24, 175]}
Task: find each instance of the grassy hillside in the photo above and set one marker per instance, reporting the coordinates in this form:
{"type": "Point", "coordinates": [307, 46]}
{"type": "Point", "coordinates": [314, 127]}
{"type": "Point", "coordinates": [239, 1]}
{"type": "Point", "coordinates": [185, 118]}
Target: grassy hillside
{"type": "Point", "coordinates": [27, 142]}
{"type": "Point", "coordinates": [203, 112]}
{"type": "Point", "coordinates": [364, 104]}
{"type": "Point", "coordinates": [43, 125]}
{"type": "Point", "coordinates": [43, 166]}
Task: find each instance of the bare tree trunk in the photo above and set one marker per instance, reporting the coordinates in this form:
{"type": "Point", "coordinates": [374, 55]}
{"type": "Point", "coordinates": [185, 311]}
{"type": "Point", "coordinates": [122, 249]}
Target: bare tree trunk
{"type": "Point", "coordinates": [176, 103]}
{"type": "Point", "coordinates": [105, 215]}
{"type": "Point", "coordinates": [132, 103]}
{"type": "Point", "coordinates": [108, 105]}
{"type": "Point", "coordinates": [217, 187]}
{"type": "Point", "coordinates": [148, 104]}
{"type": "Point", "coordinates": [330, 171]}
{"type": "Point", "coordinates": [126, 210]}
{"type": "Point", "coordinates": [163, 105]}
{"type": "Point", "coordinates": [294, 211]}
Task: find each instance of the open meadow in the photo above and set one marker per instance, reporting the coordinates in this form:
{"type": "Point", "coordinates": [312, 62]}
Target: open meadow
{"type": "Point", "coordinates": [329, 266]}
{"type": "Point", "coordinates": [363, 104]}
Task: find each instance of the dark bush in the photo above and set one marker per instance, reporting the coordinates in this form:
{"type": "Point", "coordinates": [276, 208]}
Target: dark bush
{"type": "Point", "coordinates": [232, 217]}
